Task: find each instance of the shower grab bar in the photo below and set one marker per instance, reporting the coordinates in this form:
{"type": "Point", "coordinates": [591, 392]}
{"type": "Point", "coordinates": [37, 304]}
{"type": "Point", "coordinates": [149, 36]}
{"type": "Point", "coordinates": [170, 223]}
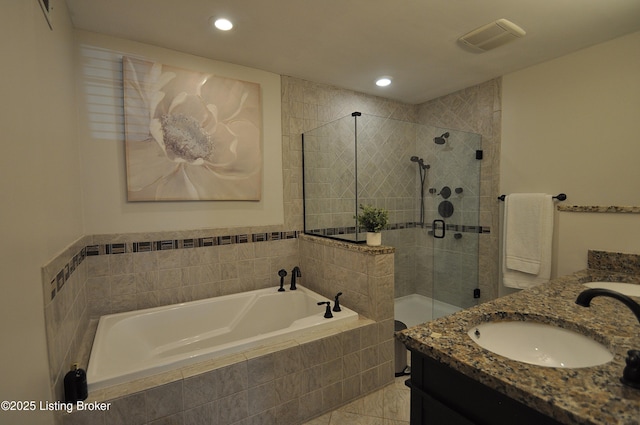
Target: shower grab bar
{"type": "Point", "coordinates": [559, 197]}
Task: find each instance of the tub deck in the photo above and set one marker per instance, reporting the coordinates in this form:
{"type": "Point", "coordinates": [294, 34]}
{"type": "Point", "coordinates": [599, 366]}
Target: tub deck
{"type": "Point", "coordinates": [142, 343]}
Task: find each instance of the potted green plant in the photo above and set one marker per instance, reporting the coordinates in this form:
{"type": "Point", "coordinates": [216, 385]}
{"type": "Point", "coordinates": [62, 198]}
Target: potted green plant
{"type": "Point", "coordinates": [373, 220]}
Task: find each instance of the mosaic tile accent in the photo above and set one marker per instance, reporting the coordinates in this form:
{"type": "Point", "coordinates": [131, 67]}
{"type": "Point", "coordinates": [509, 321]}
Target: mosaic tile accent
{"type": "Point", "coordinates": [67, 270]}
{"type": "Point", "coordinates": [461, 228]}
{"type": "Point", "coordinates": [598, 209]}
{"type": "Point", "coordinates": [63, 275]}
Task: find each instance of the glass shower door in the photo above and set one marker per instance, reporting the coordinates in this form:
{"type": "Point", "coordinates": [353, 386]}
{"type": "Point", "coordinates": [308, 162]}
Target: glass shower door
{"type": "Point", "coordinates": [455, 212]}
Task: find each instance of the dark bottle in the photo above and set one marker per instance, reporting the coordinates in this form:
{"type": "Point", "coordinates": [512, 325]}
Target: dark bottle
{"type": "Point", "coordinates": [75, 385]}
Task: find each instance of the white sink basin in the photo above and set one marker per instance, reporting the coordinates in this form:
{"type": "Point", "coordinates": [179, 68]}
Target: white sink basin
{"type": "Point", "coordinates": [540, 344]}
{"type": "Point", "coordinates": [629, 289]}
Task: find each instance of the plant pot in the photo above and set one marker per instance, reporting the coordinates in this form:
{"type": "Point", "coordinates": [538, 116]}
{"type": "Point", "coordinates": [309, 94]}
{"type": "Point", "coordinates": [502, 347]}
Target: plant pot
{"type": "Point", "coordinates": [374, 238]}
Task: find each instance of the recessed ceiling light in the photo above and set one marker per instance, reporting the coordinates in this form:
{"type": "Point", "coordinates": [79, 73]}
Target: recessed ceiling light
{"type": "Point", "coordinates": [223, 24]}
{"type": "Point", "coordinates": [383, 82]}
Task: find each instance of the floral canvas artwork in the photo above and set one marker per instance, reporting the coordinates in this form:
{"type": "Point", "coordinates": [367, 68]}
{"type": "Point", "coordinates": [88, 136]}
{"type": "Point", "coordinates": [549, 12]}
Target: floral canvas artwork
{"type": "Point", "coordinates": [190, 135]}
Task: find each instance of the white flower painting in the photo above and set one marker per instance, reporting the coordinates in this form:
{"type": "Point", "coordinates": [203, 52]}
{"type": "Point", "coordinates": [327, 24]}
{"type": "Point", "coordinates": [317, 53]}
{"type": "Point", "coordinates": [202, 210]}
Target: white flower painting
{"type": "Point", "coordinates": [190, 135]}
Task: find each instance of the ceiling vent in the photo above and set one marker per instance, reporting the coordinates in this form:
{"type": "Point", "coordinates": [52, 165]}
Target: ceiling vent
{"type": "Point", "coordinates": [492, 35]}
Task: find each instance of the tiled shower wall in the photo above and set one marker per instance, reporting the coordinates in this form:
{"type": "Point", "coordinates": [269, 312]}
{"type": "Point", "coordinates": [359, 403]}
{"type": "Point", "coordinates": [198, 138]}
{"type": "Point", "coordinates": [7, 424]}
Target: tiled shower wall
{"type": "Point", "coordinates": [385, 176]}
{"type": "Point", "coordinates": [307, 105]}
{"type": "Point", "coordinates": [330, 170]}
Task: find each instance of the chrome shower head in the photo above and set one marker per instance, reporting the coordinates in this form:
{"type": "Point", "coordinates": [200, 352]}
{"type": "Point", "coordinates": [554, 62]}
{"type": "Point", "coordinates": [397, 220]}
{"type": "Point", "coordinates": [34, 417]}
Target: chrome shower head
{"type": "Point", "coordinates": [442, 139]}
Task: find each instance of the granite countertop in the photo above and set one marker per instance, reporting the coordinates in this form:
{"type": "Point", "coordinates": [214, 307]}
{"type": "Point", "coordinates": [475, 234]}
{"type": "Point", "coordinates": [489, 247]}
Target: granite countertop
{"type": "Point", "coordinates": [592, 395]}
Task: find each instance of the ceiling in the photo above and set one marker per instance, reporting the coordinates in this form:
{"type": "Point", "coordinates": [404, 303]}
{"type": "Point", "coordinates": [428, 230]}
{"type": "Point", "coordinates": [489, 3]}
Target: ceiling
{"type": "Point", "coordinates": [350, 43]}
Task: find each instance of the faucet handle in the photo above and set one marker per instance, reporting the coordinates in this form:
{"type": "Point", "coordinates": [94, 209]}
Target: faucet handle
{"type": "Point", "coordinates": [336, 305]}
{"type": "Point", "coordinates": [327, 312]}
{"type": "Point", "coordinates": [631, 373]}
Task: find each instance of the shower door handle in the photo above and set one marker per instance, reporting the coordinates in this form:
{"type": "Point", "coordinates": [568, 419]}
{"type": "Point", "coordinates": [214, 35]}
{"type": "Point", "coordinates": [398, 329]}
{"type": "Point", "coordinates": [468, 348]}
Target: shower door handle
{"type": "Point", "coordinates": [434, 225]}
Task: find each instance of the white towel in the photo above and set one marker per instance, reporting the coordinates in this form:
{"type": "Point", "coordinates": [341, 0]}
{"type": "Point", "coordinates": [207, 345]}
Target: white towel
{"type": "Point", "coordinates": [527, 239]}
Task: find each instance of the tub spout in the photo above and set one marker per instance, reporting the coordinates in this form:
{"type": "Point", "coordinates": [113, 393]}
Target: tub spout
{"type": "Point", "coordinates": [336, 304]}
{"type": "Point", "coordinates": [295, 273]}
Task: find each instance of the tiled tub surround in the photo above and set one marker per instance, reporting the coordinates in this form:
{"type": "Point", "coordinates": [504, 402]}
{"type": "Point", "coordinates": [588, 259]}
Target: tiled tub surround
{"type": "Point", "coordinates": [592, 395]}
{"type": "Point", "coordinates": [105, 274]}
{"type": "Point", "coordinates": [142, 343]}
{"type": "Point", "coordinates": [65, 311]}
{"type": "Point", "coordinates": [362, 273]}
{"type": "Point", "coordinates": [112, 282]}
{"type": "Point", "coordinates": [286, 383]}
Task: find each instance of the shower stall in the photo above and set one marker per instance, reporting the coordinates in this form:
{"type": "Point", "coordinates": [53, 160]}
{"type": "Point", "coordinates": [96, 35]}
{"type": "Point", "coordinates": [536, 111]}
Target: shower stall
{"type": "Point", "coordinates": [428, 178]}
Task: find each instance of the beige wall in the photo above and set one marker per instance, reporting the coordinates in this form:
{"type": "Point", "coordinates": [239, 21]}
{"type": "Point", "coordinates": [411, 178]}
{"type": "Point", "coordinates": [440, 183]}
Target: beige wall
{"type": "Point", "coordinates": [41, 210]}
{"type": "Point", "coordinates": [103, 154]}
{"type": "Point", "coordinates": [571, 125]}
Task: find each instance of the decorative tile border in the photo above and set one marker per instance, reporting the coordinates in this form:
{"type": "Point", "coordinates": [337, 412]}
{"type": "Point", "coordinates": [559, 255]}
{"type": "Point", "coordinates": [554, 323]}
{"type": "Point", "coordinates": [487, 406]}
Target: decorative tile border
{"type": "Point", "coordinates": [462, 228]}
{"type": "Point", "coordinates": [598, 209]}
{"type": "Point", "coordinates": [56, 284]}
{"type": "Point", "coordinates": [59, 279]}
{"type": "Point", "coordinates": [169, 244]}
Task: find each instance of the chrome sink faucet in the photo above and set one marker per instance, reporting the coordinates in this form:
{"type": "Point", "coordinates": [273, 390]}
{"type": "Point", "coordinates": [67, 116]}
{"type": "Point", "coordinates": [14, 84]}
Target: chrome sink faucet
{"type": "Point", "coordinates": [631, 372]}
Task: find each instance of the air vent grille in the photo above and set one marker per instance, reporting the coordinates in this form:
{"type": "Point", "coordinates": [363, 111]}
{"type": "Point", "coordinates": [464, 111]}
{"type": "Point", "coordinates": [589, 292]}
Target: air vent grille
{"type": "Point", "coordinates": [492, 35]}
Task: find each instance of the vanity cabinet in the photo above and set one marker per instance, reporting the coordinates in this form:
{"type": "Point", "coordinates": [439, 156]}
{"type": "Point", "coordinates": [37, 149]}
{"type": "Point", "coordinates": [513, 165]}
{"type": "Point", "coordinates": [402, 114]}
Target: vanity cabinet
{"type": "Point", "coordinates": [442, 395]}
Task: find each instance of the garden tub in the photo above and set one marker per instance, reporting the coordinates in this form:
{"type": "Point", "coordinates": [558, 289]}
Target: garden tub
{"type": "Point", "coordinates": [142, 343]}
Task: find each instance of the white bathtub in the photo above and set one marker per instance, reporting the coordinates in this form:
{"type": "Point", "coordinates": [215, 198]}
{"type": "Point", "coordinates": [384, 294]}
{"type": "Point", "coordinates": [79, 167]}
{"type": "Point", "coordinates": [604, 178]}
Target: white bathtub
{"type": "Point", "coordinates": [141, 343]}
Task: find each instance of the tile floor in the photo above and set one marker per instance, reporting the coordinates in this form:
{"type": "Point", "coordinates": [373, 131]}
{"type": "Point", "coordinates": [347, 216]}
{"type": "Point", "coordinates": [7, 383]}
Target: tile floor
{"type": "Point", "coordinates": [388, 406]}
